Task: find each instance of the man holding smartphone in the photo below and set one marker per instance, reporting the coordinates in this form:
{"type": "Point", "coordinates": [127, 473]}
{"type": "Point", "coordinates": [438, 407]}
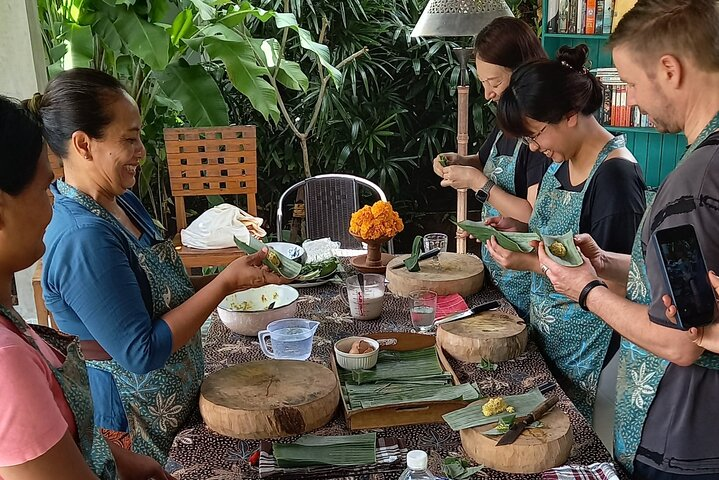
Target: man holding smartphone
{"type": "Point", "coordinates": [667, 417]}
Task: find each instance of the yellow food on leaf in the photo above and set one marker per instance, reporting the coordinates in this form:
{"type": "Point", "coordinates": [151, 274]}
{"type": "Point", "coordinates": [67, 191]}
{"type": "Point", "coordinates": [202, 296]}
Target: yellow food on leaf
{"type": "Point", "coordinates": [510, 409]}
{"type": "Point", "coordinates": [273, 258]}
{"type": "Point", "coordinates": [558, 249]}
{"type": "Point", "coordinates": [494, 406]}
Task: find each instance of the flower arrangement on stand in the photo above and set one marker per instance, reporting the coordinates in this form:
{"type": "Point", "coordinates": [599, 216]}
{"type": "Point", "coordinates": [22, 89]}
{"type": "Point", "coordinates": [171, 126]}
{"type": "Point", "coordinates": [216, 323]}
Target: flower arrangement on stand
{"type": "Point", "coordinates": [374, 226]}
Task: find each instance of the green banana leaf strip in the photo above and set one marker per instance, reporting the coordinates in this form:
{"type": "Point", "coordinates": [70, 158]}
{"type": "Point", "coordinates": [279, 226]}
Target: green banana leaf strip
{"type": "Point", "coordinates": [514, 241]}
{"type": "Point", "coordinates": [571, 258]}
{"type": "Point", "coordinates": [412, 263]}
{"type": "Point", "coordinates": [443, 160]}
{"type": "Point", "coordinates": [287, 268]}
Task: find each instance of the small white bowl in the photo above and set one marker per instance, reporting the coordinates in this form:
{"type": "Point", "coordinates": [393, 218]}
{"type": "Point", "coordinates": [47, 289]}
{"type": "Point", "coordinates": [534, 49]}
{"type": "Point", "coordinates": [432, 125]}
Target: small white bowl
{"type": "Point", "coordinates": [356, 361]}
{"type": "Point", "coordinates": [289, 250]}
{"type": "Point", "coordinates": [246, 312]}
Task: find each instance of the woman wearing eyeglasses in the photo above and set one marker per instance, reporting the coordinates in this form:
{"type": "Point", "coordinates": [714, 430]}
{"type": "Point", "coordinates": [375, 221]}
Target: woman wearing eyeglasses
{"type": "Point", "coordinates": [594, 186]}
{"type": "Point", "coordinates": [505, 174]}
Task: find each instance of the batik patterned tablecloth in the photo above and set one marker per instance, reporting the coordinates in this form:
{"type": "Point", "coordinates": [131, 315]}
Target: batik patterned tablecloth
{"type": "Point", "coordinates": [200, 454]}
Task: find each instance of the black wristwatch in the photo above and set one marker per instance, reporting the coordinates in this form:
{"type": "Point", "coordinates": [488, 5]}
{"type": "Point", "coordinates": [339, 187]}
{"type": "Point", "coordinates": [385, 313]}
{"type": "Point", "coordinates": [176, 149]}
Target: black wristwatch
{"type": "Point", "coordinates": [483, 193]}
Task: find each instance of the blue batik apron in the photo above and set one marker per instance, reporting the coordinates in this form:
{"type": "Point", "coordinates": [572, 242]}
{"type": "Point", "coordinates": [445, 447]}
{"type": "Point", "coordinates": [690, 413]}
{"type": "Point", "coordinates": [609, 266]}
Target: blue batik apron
{"type": "Point", "coordinates": [159, 403]}
{"type": "Point", "coordinates": [72, 377]}
{"type": "Point", "coordinates": [639, 371]}
{"type": "Point", "coordinates": [513, 284]}
{"type": "Point", "coordinates": [575, 341]}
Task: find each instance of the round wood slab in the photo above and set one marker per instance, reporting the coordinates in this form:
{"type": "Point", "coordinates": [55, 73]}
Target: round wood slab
{"type": "Point", "coordinates": [269, 399]}
{"type": "Point", "coordinates": [536, 449]}
{"type": "Point", "coordinates": [456, 273]}
{"type": "Point", "coordinates": [493, 336]}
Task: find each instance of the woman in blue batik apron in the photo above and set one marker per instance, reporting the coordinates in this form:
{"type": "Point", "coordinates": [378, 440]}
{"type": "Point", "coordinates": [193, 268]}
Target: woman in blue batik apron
{"type": "Point", "coordinates": [43, 369]}
{"type": "Point", "coordinates": [594, 186]}
{"type": "Point", "coordinates": [505, 173]}
{"type": "Point", "coordinates": [640, 371]}
{"type": "Point", "coordinates": [110, 279]}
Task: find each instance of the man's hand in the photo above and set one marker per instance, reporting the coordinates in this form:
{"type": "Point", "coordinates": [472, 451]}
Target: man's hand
{"type": "Point", "coordinates": [705, 337]}
{"type": "Point", "coordinates": [591, 250]}
{"type": "Point", "coordinates": [569, 281]}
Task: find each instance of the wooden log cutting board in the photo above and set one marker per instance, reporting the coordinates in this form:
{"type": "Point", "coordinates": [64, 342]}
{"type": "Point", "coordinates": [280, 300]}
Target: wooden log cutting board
{"type": "Point", "coordinates": [494, 336]}
{"type": "Point", "coordinates": [269, 399]}
{"type": "Point", "coordinates": [456, 273]}
{"type": "Point", "coordinates": [536, 449]}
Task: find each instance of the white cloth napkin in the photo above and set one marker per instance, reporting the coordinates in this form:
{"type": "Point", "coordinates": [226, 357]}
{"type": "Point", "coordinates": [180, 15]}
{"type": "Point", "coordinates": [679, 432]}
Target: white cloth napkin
{"type": "Point", "coordinates": [217, 227]}
{"type": "Point", "coordinates": [320, 249]}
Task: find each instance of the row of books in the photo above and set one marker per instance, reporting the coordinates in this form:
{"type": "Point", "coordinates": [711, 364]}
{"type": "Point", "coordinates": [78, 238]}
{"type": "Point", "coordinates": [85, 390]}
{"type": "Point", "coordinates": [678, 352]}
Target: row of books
{"type": "Point", "coordinates": [615, 110]}
{"type": "Point", "coordinates": [587, 17]}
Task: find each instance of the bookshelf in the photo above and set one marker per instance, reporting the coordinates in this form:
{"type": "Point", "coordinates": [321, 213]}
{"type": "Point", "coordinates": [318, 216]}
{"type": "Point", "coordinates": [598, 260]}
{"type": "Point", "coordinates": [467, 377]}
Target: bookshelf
{"type": "Point", "coordinates": [657, 153]}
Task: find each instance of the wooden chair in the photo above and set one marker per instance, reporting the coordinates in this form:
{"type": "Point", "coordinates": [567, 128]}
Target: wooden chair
{"type": "Point", "coordinates": [210, 161]}
{"type": "Point", "coordinates": [43, 315]}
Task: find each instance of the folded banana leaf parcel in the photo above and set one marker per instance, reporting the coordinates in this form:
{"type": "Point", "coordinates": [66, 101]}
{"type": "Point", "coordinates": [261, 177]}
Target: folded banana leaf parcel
{"type": "Point", "coordinates": [276, 262]}
{"type": "Point", "coordinates": [560, 248]}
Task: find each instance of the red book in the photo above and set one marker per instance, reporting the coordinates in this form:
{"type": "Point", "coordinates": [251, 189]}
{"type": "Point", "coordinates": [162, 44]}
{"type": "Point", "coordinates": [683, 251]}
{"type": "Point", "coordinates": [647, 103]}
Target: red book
{"type": "Point", "coordinates": [590, 18]}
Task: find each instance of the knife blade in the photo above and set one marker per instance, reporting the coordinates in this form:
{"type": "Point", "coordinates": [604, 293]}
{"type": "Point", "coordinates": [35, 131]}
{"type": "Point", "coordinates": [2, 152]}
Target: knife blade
{"type": "Point", "coordinates": [424, 256]}
{"type": "Point", "coordinates": [519, 425]}
{"type": "Point", "coordinates": [468, 313]}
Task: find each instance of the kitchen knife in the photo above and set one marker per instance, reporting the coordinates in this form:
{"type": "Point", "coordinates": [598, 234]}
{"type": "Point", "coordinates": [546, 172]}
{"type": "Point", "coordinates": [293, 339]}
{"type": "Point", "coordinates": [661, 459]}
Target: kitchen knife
{"type": "Point", "coordinates": [428, 254]}
{"type": "Point", "coordinates": [523, 422]}
{"type": "Point", "coordinates": [468, 313]}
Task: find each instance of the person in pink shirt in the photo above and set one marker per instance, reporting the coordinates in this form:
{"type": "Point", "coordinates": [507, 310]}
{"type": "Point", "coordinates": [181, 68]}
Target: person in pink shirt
{"type": "Point", "coordinates": [46, 415]}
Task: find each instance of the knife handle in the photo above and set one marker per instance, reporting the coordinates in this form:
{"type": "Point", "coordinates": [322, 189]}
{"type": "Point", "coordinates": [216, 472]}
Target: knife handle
{"type": "Point", "coordinates": [544, 407]}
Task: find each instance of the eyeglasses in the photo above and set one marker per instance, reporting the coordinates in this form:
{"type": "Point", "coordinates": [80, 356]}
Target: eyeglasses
{"type": "Point", "coordinates": [533, 139]}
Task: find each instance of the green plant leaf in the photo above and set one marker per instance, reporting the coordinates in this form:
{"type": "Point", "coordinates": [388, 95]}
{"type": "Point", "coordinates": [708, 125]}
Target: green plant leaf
{"type": "Point", "coordinates": [149, 42]}
{"type": "Point", "coordinates": [412, 263]}
{"type": "Point", "coordinates": [205, 10]}
{"type": "Point", "coordinates": [198, 93]}
{"type": "Point", "coordinates": [81, 47]}
{"type": "Point", "coordinates": [245, 74]}
{"type": "Point", "coordinates": [108, 33]}
{"type": "Point", "coordinates": [182, 26]}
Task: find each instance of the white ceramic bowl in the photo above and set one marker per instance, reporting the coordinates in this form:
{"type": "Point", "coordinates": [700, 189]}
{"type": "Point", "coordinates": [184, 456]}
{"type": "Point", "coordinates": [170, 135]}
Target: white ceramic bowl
{"type": "Point", "coordinates": [289, 250]}
{"type": "Point", "coordinates": [354, 361]}
{"type": "Point", "coordinates": [246, 312]}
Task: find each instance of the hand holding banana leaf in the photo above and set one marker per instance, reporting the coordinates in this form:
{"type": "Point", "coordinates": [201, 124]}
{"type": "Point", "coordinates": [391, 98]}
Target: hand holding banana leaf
{"type": "Point", "coordinates": [567, 281]}
{"type": "Point", "coordinates": [250, 272]}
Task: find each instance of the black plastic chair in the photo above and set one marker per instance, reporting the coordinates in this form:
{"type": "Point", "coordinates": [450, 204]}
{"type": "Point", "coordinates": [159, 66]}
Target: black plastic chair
{"type": "Point", "coordinates": [330, 201]}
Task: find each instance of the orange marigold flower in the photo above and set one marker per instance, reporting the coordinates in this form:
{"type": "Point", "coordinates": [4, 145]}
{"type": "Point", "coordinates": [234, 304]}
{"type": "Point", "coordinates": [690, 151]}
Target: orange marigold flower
{"type": "Point", "coordinates": [379, 220]}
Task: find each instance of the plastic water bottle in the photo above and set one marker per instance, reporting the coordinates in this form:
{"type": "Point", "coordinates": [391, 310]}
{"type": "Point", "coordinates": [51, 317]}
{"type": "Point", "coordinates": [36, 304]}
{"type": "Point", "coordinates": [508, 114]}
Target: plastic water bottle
{"type": "Point", "coordinates": [417, 467]}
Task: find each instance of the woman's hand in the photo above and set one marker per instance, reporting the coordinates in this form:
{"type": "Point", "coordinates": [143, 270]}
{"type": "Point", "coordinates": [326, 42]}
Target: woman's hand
{"type": "Point", "coordinates": [450, 159]}
{"type": "Point", "coordinates": [133, 466]}
{"type": "Point", "coordinates": [249, 272]}
{"type": "Point", "coordinates": [510, 260]}
{"type": "Point", "coordinates": [705, 337]}
{"type": "Point", "coordinates": [569, 281]}
{"type": "Point", "coordinates": [506, 224]}
{"type": "Point", "coordinates": [458, 177]}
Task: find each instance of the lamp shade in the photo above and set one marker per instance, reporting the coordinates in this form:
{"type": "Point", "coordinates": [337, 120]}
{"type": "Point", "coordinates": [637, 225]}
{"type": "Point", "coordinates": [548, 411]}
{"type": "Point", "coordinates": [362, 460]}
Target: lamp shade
{"type": "Point", "coordinates": [458, 18]}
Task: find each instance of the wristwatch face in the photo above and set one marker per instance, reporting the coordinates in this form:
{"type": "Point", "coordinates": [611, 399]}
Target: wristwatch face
{"type": "Point", "coordinates": [481, 196]}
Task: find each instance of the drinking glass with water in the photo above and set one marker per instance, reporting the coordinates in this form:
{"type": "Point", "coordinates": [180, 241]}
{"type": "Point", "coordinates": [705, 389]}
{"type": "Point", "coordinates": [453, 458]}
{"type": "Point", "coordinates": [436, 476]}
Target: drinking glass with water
{"type": "Point", "coordinates": [423, 305]}
{"type": "Point", "coordinates": [435, 240]}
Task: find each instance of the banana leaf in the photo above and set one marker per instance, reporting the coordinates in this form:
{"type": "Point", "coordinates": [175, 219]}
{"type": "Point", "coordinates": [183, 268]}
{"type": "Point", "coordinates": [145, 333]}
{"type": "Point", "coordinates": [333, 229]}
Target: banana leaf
{"type": "Point", "coordinates": [308, 450]}
{"type": "Point", "coordinates": [514, 241]}
{"type": "Point", "coordinates": [472, 416]}
{"type": "Point", "coordinates": [412, 263]}
{"type": "Point", "coordinates": [286, 268]}
{"type": "Point", "coordinates": [521, 241]}
{"type": "Point", "coordinates": [571, 257]}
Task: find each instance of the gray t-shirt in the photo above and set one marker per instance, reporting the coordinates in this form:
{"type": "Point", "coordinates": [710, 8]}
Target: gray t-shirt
{"type": "Point", "coordinates": [682, 426]}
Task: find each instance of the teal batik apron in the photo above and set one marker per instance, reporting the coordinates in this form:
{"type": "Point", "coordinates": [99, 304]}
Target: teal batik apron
{"type": "Point", "coordinates": [159, 403]}
{"type": "Point", "coordinates": [513, 284]}
{"type": "Point", "coordinates": [639, 371]}
{"type": "Point", "coordinates": [575, 341]}
{"type": "Point", "coordinates": [72, 377]}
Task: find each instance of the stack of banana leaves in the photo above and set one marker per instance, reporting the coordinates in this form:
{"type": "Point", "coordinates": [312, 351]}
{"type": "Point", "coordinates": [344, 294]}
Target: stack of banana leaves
{"type": "Point", "coordinates": [400, 378]}
{"type": "Point", "coordinates": [311, 450]}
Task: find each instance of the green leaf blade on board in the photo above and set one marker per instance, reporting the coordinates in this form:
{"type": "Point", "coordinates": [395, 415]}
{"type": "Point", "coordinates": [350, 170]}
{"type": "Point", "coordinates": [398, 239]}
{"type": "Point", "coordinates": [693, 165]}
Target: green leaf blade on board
{"type": "Point", "coordinates": [412, 263]}
{"type": "Point", "coordinates": [472, 416]}
{"type": "Point", "coordinates": [288, 268]}
{"type": "Point", "coordinates": [514, 241]}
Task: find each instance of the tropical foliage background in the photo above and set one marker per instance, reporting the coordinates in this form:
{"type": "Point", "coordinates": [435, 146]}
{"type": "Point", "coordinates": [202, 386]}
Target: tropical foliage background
{"type": "Point", "coordinates": [384, 114]}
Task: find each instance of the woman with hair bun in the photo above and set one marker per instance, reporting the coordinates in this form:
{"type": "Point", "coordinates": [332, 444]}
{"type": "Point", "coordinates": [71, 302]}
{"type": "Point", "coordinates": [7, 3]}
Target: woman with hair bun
{"type": "Point", "coordinates": [594, 186]}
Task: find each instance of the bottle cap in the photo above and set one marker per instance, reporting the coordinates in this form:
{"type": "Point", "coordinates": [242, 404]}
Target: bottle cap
{"type": "Point", "coordinates": [417, 460]}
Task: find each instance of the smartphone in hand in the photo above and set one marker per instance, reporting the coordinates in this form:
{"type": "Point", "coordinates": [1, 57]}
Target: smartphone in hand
{"type": "Point", "coordinates": [685, 272]}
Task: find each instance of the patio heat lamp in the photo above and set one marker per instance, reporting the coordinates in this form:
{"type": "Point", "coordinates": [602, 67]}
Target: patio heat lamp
{"type": "Point", "coordinates": [460, 18]}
